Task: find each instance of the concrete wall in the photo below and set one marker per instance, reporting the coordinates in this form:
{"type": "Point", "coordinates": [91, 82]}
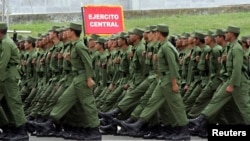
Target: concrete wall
{"type": "Point", "coordinates": [65, 17]}
{"type": "Point", "coordinates": [69, 6]}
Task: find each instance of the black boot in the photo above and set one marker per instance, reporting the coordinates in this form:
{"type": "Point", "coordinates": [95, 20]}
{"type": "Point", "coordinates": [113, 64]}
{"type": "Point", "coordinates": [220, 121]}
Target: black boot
{"type": "Point", "coordinates": [93, 134]}
{"type": "Point", "coordinates": [45, 127]}
{"type": "Point", "coordinates": [103, 121]}
{"type": "Point", "coordinates": [111, 114]}
{"type": "Point", "coordinates": [6, 132]}
{"type": "Point", "coordinates": [153, 133]}
{"type": "Point", "coordinates": [21, 134]}
{"type": "Point", "coordinates": [110, 129]}
{"type": "Point", "coordinates": [165, 132]}
{"type": "Point", "coordinates": [133, 126]}
{"type": "Point", "coordinates": [197, 122]}
{"type": "Point", "coordinates": [181, 133]}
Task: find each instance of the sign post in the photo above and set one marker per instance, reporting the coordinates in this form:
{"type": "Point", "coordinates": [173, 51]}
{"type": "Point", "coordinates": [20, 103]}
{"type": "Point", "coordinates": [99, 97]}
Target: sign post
{"type": "Point", "coordinates": [102, 19]}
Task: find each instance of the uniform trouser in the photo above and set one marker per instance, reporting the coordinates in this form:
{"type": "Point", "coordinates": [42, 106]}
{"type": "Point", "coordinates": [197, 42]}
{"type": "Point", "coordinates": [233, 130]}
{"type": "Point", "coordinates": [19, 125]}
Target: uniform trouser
{"type": "Point", "coordinates": [172, 103]}
{"type": "Point", "coordinates": [10, 92]}
{"type": "Point", "coordinates": [132, 97]}
{"type": "Point", "coordinates": [191, 88]}
{"type": "Point", "coordinates": [42, 99]}
{"type": "Point", "coordinates": [144, 99]}
{"type": "Point", "coordinates": [3, 117]}
{"type": "Point", "coordinates": [98, 90]}
{"type": "Point", "coordinates": [240, 96]}
{"type": "Point", "coordinates": [101, 98]}
{"type": "Point", "coordinates": [204, 98]}
{"type": "Point", "coordinates": [112, 98]}
{"type": "Point", "coordinates": [195, 93]}
{"type": "Point", "coordinates": [77, 91]}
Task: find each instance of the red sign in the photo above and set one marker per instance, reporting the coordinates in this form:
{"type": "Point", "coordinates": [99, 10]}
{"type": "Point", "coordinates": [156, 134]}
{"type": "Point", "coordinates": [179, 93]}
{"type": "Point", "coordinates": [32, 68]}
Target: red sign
{"type": "Point", "coordinates": [103, 19]}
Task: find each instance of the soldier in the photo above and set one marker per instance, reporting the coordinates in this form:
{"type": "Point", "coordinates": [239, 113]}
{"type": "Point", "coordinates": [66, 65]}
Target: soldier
{"type": "Point", "coordinates": [235, 87]}
{"type": "Point", "coordinates": [9, 77]}
{"type": "Point", "coordinates": [166, 94]}
{"type": "Point", "coordinates": [80, 88]}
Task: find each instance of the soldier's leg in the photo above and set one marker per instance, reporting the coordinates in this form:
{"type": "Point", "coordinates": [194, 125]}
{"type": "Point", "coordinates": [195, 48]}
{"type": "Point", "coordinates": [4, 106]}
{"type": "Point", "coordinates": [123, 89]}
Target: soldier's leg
{"type": "Point", "coordinates": [204, 98]}
{"type": "Point", "coordinates": [191, 99]}
{"type": "Point", "coordinates": [132, 97]}
{"type": "Point", "coordinates": [190, 89]}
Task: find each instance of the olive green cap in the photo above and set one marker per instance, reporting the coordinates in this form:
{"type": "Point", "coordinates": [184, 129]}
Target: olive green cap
{"type": "Point", "coordinates": [150, 28]}
{"type": "Point", "coordinates": [31, 39]}
{"type": "Point", "coordinates": [75, 26]}
{"type": "Point", "coordinates": [244, 38]}
{"type": "Point", "coordinates": [123, 35]}
{"type": "Point", "coordinates": [137, 31]}
{"type": "Point", "coordinates": [233, 29]}
{"type": "Point", "coordinates": [53, 28]}
{"type": "Point", "coordinates": [162, 28]}
{"type": "Point", "coordinates": [101, 40]}
{"type": "Point", "coordinates": [199, 35]}
{"type": "Point", "coordinates": [220, 32]}
{"type": "Point", "coordinates": [3, 26]}
{"type": "Point", "coordinates": [94, 37]}
{"type": "Point", "coordinates": [210, 33]}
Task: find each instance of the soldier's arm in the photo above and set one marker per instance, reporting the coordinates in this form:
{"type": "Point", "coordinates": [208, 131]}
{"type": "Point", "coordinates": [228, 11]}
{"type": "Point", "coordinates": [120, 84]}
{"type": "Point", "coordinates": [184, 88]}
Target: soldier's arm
{"type": "Point", "coordinates": [5, 56]}
{"type": "Point", "coordinates": [237, 67]}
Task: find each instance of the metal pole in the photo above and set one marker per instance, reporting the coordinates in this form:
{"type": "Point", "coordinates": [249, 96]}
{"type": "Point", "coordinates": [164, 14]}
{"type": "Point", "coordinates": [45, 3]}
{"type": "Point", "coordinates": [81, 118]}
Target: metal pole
{"type": "Point", "coordinates": [3, 9]}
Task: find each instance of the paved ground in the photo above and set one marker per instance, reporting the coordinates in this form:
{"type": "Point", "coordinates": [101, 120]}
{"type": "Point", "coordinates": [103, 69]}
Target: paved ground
{"type": "Point", "coordinates": [106, 138]}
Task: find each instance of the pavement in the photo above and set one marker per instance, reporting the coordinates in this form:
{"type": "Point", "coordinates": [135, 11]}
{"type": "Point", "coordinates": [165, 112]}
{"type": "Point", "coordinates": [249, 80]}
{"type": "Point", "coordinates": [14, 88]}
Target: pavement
{"type": "Point", "coordinates": [104, 138]}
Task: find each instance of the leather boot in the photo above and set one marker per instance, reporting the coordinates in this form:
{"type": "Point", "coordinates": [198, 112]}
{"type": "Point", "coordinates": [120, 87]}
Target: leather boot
{"type": "Point", "coordinates": [6, 132]}
{"type": "Point", "coordinates": [21, 134]}
{"type": "Point", "coordinates": [133, 126]}
{"type": "Point", "coordinates": [45, 127]}
{"type": "Point", "coordinates": [197, 122]}
{"type": "Point", "coordinates": [165, 132]}
{"type": "Point", "coordinates": [110, 114]}
{"type": "Point", "coordinates": [93, 134]}
{"type": "Point", "coordinates": [153, 133]}
{"type": "Point", "coordinates": [181, 133]}
{"type": "Point", "coordinates": [103, 121]}
{"type": "Point", "coordinates": [109, 129]}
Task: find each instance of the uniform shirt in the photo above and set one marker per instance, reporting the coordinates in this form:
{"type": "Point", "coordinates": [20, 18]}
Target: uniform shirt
{"type": "Point", "coordinates": [214, 66]}
{"type": "Point", "coordinates": [9, 59]}
{"type": "Point", "coordinates": [80, 58]}
{"type": "Point", "coordinates": [168, 60]}
{"type": "Point", "coordinates": [54, 60]}
{"type": "Point", "coordinates": [235, 63]}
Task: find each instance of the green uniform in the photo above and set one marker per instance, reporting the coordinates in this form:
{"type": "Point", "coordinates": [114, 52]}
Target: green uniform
{"type": "Point", "coordinates": [237, 77]}
{"type": "Point", "coordinates": [163, 96]}
{"type": "Point", "coordinates": [9, 77]}
{"type": "Point", "coordinates": [78, 89]}
{"type": "Point", "coordinates": [214, 81]}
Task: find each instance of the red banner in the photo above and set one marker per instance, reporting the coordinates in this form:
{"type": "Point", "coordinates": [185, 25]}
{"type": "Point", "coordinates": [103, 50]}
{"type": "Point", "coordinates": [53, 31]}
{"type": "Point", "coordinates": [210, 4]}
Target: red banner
{"type": "Point", "coordinates": [103, 19]}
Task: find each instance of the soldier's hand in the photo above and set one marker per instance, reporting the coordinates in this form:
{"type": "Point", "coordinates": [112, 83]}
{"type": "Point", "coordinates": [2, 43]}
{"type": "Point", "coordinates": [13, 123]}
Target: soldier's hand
{"type": "Point", "coordinates": [130, 55]}
{"type": "Point", "coordinates": [175, 88]}
{"type": "Point", "coordinates": [34, 61]}
{"type": "Point", "coordinates": [188, 55]}
{"type": "Point", "coordinates": [224, 57]}
{"type": "Point", "coordinates": [197, 58]}
{"type": "Point", "coordinates": [125, 86]}
{"type": "Point", "coordinates": [60, 55]}
{"type": "Point", "coordinates": [219, 60]}
{"type": "Point", "coordinates": [155, 57]}
{"type": "Point", "coordinates": [118, 59]}
{"type": "Point", "coordinates": [186, 87]}
{"type": "Point", "coordinates": [111, 86]}
{"type": "Point", "coordinates": [150, 54]}
{"type": "Point", "coordinates": [56, 55]}
{"type": "Point", "coordinates": [143, 53]}
{"type": "Point", "coordinates": [90, 82]}
{"type": "Point", "coordinates": [104, 65]}
{"type": "Point", "coordinates": [67, 56]}
{"type": "Point", "coordinates": [49, 55]}
{"type": "Point", "coordinates": [230, 89]}
{"type": "Point", "coordinates": [207, 56]}
{"type": "Point", "coordinates": [180, 61]}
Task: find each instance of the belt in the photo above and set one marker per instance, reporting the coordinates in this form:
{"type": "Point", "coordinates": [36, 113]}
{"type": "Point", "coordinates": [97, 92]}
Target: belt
{"type": "Point", "coordinates": [78, 72]}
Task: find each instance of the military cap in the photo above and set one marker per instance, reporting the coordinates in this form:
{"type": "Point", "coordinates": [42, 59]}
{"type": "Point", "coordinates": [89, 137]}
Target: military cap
{"type": "Point", "coordinates": [137, 31]}
{"type": "Point", "coordinates": [248, 36]}
{"type": "Point", "coordinates": [31, 39]}
{"type": "Point", "coordinates": [39, 34]}
{"type": "Point", "coordinates": [75, 26]}
{"type": "Point", "coordinates": [53, 28]}
{"type": "Point", "coordinates": [114, 37]}
{"type": "Point", "coordinates": [185, 35]}
{"type": "Point", "coordinates": [244, 38]}
{"type": "Point", "coordinates": [150, 28]}
{"type": "Point", "coordinates": [3, 26]}
{"type": "Point", "coordinates": [147, 29]}
{"type": "Point", "coordinates": [123, 35]}
{"type": "Point", "coordinates": [199, 35]}
{"type": "Point", "coordinates": [220, 32]}
{"type": "Point", "coordinates": [233, 29]}
{"type": "Point", "coordinates": [101, 40]}
{"type": "Point", "coordinates": [210, 33]}
{"type": "Point", "coordinates": [94, 37]}
{"type": "Point", "coordinates": [162, 28]}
